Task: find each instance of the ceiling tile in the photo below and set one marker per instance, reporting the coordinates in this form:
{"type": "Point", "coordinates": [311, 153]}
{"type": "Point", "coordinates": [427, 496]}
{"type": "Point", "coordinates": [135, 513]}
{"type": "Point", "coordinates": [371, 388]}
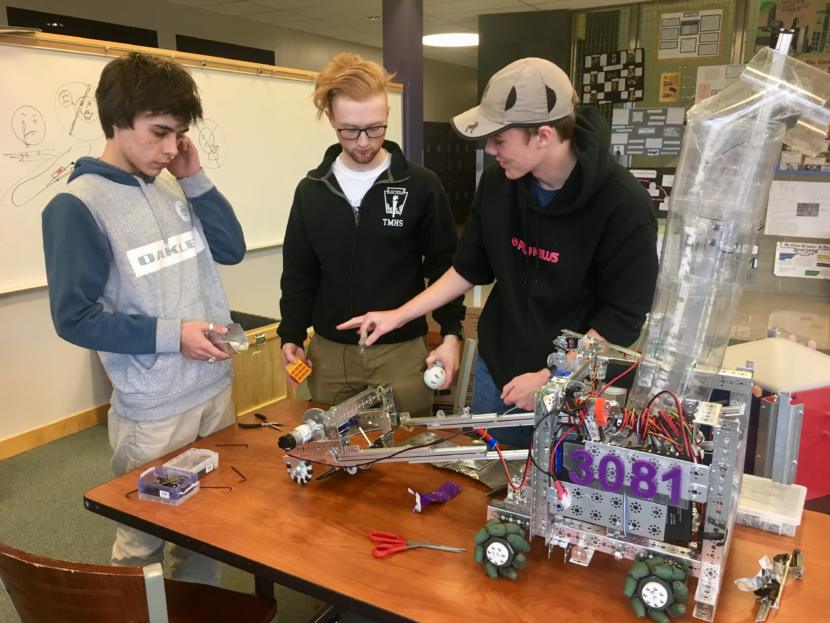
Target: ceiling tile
{"type": "Point", "coordinates": [357, 10]}
{"type": "Point", "coordinates": [239, 8]}
{"type": "Point", "coordinates": [202, 4]}
{"type": "Point", "coordinates": [286, 19]}
{"type": "Point", "coordinates": [288, 5]}
{"type": "Point", "coordinates": [474, 7]}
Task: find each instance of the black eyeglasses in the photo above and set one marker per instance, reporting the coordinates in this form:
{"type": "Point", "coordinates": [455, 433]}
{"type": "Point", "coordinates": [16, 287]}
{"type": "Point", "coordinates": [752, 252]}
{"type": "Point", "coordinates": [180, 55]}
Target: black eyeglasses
{"type": "Point", "coordinates": [352, 134]}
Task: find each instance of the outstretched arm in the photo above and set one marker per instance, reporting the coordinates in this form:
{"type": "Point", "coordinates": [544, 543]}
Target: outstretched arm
{"type": "Point", "coordinates": [372, 325]}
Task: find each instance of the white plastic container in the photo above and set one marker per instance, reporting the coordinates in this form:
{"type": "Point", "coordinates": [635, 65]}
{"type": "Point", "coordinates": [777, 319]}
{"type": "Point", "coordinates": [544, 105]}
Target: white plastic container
{"type": "Point", "coordinates": [195, 461]}
{"type": "Point", "coordinates": [770, 506]}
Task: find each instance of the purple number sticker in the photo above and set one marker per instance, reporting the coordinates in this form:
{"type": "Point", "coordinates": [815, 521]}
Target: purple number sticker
{"type": "Point", "coordinates": [619, 473]}
{"type": "Point", "coordinates": [673, 476]}
{"type": "Point", "coordinates": [585, 475]}
{"type": "Point", "coordinates": [643, 473]}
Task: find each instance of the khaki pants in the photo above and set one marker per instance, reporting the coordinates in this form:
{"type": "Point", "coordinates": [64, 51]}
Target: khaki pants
{"type": "Point", "coordinates": [341, 371]}
{"type": "Point", "coordinates": [135, 443]}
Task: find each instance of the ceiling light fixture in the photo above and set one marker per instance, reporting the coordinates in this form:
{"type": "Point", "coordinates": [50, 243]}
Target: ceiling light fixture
{"type": "Point", "coordinates": [452, 40]}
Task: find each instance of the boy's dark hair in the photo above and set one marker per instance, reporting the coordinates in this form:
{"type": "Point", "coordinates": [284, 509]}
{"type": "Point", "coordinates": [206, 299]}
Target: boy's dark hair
{"type": "Point", "coordinates": [564, 127]}
{"type": "Point", "coordinates": [138, 83]}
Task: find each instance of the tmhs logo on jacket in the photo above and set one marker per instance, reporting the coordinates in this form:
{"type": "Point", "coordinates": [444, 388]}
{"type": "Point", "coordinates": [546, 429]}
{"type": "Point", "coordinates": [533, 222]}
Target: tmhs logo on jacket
{"type": "Point", "coordinates": [394, 200]}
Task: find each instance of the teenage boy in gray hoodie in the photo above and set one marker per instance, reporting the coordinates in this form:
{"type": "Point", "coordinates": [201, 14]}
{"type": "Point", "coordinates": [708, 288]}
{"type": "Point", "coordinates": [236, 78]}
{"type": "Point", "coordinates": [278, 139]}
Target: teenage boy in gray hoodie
{"type": "Point", "coordinates": [131, 248]}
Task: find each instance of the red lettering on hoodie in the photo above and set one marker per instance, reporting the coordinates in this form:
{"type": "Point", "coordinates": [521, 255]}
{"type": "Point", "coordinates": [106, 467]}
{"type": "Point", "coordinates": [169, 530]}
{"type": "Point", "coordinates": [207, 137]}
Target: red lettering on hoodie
{"type": "Point", "coordinates": [543, 254]}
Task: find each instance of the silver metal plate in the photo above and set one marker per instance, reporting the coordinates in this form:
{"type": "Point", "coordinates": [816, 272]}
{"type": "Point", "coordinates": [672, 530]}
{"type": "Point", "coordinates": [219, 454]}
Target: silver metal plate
{"type": "Point", "coordinates": [613, 510]}
{"type": "Point", "coordinates": [707, 413]}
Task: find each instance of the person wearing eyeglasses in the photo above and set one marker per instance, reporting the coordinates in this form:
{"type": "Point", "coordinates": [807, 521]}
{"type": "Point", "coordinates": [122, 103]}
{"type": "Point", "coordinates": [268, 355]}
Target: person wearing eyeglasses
{"type": "Point", "coordinates": [366, 229]}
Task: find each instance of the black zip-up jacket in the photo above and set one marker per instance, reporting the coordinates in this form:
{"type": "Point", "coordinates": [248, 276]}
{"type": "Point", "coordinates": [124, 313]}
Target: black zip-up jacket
{"type": "Point", "coordinates": [586, 260]}
{"type": "Point", "coordinates": [338, 264]}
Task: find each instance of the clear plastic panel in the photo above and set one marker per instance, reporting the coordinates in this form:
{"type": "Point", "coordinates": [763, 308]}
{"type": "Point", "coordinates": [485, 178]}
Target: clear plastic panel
{"type": "Point", "coordinates": [721, 189]}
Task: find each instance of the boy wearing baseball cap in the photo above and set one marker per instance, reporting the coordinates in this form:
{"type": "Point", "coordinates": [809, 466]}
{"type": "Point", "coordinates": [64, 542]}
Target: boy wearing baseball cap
{"type": "Point", "coordinates": [566, 233]}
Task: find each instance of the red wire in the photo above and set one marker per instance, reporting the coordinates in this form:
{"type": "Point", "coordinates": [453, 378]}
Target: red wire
{"type": "Point", "coordinates": [482, 432]}
{"type": "Point", "coordinates": [687, 441]}
{"type": "Point", "coordinates": [676, 428]}
{"type": "Point", "coordinates": [618, 377]}
{"type": "Point", "coordinates": [668, 435]}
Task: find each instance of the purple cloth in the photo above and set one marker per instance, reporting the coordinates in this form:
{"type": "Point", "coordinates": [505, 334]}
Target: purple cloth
{"type": "Point", "coordinates": [445, 492]}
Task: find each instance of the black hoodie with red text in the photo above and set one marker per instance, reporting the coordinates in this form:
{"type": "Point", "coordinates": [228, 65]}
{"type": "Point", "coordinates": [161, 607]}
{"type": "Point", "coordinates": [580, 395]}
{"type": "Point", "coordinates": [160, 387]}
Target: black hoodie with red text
{"type": "Point", "coordinates": [587, 260]}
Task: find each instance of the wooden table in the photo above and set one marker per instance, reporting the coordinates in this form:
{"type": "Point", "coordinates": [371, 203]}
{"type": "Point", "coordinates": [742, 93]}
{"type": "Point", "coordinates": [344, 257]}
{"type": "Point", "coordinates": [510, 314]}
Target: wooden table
{"type": "Point", "coordinates": [314, 539]}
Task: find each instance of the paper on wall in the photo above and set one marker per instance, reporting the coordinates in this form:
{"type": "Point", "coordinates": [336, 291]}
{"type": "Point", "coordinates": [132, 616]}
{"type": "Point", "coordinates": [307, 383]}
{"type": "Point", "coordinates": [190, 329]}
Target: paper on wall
{"type": "Point", "coordinates": [798, 209]}
{"type": "Point", "coordinates": [802, 259]}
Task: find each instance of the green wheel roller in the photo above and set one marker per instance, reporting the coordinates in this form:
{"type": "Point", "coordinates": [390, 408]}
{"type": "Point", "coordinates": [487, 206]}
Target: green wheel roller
{"type": "Point", "coordinates": [508, 572]}
{"type": "Point", "coordinates": [664, 572]}
{"type": "Point", "coordinates": [491, 570]}
{"type": "Point", "coordinates": [518, 543]}
{"type": "Point", "coordinates": [478, 554]}
{"type": "Point", "coordinates": [654, 561]}
{"type": "Point", "coordinates": [638, 606]}
{"type": "Point", "coordinates": [498, 529]}
{"type": "Point", "coordinates": [512, 528]}
{"type": "Point", "coordinates": [658, 616]}
{"type": "Point", "coordinates": [677, 610]}
{"type": "Point", "coordinates": [680, 574]}
{"type": "Point", "coordinates": [481, 536]}
{"type": "Point", "coordinates": [681, 591]}
{"type": "Point", "coordinates": [630, 586]}
{"type": "Point", "coordinates": [499, 546]}
{"type": "Point", "coordinates": [656, 588]}
{"type": "Point", "coordinates": [639, 570]}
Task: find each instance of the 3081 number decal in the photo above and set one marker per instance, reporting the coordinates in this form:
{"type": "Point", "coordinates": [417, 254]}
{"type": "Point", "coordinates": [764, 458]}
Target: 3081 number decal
{"type": "Point", "coordinates": [644, 475]}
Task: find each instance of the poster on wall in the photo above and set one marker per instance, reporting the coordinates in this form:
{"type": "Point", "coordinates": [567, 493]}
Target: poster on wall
{"type": "Point", "coordinates": [802, 259]}
{"type": "Point", "coordinates": [670, 86]}
{"type": "Point", "coordinates": [613, 77]}
{"type": "Point", "coordinates": [690, 34]}
{"type": "Point", "coordinates": [713, 79]}
{"type": "Point", "coordinates": [647, 131]}
{"type": "Point", "coordinates": [658, 184]}
{"type": "Point", "coordinates": [798, 209]}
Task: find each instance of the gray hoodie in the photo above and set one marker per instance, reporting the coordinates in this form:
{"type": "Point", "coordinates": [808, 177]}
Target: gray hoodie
{"type": "Point", "coordinates": [128, 259]}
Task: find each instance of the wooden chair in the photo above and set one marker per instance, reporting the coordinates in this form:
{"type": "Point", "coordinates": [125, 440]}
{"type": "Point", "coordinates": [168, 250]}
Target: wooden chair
{"type": "Point", "coordinates": [44, 590]}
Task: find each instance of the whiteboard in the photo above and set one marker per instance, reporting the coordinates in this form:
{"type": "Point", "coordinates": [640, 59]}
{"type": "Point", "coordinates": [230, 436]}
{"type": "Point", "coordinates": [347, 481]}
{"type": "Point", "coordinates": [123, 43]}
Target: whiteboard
{"type": "Point", "coordinates": [258, 139]}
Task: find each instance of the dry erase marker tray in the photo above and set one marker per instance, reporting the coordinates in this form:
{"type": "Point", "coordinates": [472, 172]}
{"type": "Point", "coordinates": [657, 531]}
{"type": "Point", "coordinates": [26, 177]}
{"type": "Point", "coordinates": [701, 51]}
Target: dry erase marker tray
{"type": "Point", "coordinates": [195, 461]}
{"type": "Point", "coordinates": [160, 484]}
